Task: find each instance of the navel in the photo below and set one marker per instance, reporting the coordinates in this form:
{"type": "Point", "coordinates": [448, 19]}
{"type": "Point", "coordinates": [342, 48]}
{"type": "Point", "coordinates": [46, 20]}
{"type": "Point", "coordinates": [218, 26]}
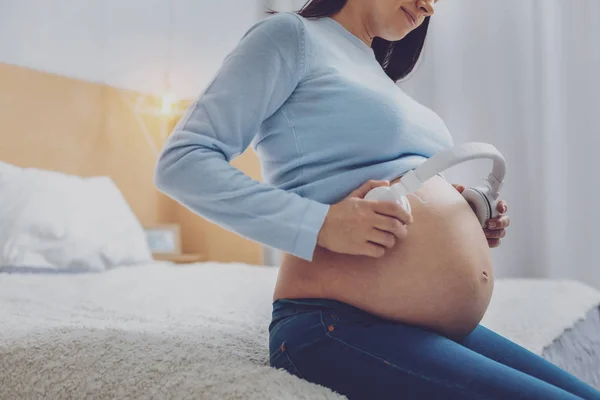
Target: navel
{"type": "Point", "coordinates": [485, 276]}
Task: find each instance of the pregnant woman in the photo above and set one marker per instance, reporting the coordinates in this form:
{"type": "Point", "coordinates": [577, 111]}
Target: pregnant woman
{"type": "Point", "coordinates": [371, 301]}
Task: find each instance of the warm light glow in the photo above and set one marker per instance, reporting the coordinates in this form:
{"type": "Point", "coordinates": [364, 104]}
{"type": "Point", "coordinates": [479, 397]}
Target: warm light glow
{"type": "Point", "coordinates": [168, 102]}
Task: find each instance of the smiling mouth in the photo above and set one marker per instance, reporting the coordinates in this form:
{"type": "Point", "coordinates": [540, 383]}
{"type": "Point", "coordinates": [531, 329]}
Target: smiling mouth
{"type": "Point", "coordinates": [410, 17]}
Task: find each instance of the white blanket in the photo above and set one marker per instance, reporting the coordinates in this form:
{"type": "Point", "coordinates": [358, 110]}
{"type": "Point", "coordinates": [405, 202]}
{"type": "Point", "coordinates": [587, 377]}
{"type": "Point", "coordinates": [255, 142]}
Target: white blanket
{"type": "Point", "coordinates": [162, 331]}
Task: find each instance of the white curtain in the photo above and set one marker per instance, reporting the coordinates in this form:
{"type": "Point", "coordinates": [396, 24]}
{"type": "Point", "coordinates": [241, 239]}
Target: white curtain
{"type": "Point", "coordinates": [524, 75]}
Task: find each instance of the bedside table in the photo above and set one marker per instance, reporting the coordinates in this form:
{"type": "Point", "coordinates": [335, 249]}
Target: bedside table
{"type": "Point", "coordinates": [180, 258]}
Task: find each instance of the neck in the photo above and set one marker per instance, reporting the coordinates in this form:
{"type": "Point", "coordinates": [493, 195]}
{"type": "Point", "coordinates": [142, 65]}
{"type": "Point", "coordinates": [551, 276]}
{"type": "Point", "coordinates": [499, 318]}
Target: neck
{"type": "Point", "coordinates": [355, 21]}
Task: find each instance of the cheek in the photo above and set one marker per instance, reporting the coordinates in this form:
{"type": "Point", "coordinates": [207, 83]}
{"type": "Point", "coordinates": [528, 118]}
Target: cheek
{"type": "Point", "coordinates": [397, 26]}
{"type": "Point", "coordinates": [390, 19]}
{"type": "Point", "coordinates": [385, 12]}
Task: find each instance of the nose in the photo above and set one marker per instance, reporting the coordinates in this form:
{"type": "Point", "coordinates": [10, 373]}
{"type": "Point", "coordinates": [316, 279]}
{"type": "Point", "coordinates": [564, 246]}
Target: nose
{"type": "Point", "coordinates": [426, 7]}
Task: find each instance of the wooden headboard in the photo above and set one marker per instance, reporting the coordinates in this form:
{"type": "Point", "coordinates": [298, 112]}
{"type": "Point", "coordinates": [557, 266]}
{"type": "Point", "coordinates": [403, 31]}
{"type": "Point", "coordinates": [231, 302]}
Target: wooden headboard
{"type": "Point", "coordinates": [88, 129]}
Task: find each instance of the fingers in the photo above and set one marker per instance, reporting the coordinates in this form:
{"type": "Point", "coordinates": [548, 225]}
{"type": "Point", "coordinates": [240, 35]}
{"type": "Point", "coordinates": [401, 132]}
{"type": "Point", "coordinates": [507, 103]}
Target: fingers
{"type": "Point", "coordinates": [493, 243]}
{"type": "Point", "coordinates": [392, 209]}
{"type": "Point", "coordinates": [495, 234]}
{"type": "Point", "coordinates": [391, 225]}
{"type": "Point", "coordinates": [502, 222]}
{"type": "Point", "coordinates": [362, 191]}
{"type": "Point", "coordinates": [382, 238]}
{"type": "Point", "coordinates": [373, 250]}
{"type": "Point", "coordinates": [460, 188]}
{"type": "Point", "coordinates": [502, 207]}
{"type": "Point", "coordinates": [496, 227]}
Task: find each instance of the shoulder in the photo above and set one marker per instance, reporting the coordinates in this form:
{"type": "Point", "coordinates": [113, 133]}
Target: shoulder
{"type": "Point", "coordinates": [281, 28]}
{"type": "Point", "coordinates": [283, 32]}
{"type": "Point", "coordinates": [284, 22]}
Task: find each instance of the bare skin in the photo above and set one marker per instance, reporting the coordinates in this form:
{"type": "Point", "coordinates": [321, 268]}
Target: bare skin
{"type": "Point", "coordinates": [440, 275]}
{"type": "Point", "coordinates": [432, 269]}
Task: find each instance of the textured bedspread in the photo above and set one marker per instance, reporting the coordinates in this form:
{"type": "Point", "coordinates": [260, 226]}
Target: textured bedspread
{"type": "Point", "coordinates": [165, 332]}
{"type": "Point", "coordinates": [578, 349]}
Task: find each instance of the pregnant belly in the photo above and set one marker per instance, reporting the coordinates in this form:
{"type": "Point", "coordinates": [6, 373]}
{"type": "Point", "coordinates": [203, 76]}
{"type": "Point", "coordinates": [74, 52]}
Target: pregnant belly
{"type": "Point", "coordinates": [440, 276]}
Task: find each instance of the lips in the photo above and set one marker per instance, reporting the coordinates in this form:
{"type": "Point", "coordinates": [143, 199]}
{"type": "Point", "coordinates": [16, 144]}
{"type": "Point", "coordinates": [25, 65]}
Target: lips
{"type": "Point", "coordinates": [410, 17]}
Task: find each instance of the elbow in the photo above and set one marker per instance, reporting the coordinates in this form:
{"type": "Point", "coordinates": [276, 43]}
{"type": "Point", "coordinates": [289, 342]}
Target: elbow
{"type": "Point", "coordinates": [181, 169]}
{"type": "Point", "coordinates": [175, 168]}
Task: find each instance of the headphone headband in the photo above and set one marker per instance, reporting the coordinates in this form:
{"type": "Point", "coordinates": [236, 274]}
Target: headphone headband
{"type": "Point", "coordinates": [441, 161]}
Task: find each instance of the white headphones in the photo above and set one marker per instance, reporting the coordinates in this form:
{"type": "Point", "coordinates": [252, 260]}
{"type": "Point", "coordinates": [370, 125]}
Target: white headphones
{"type": "Point", "coordinates": [484, 200]}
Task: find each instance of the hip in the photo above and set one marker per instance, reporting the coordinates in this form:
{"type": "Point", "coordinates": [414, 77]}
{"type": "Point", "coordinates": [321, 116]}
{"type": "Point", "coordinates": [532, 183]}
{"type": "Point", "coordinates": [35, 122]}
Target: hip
{"type": "Point", "coordinates": [363, 356]}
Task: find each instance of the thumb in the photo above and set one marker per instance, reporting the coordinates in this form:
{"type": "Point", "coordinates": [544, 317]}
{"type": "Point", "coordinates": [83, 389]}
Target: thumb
{"type": "Point", "coordinates": [458, 187]}
{"type": "Point", "coordinates": [362, 191]}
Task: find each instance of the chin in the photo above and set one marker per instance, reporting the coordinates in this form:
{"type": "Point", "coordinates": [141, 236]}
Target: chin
{"type": "Point", "coordinates": [398, 32]}
{"type": "Point", "coordinates": [396, 36]}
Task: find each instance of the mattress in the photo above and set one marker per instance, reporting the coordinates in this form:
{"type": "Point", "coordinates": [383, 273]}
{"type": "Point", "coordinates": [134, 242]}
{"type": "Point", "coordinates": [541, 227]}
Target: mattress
{"type": "Point", "coordinates": [200, 331]}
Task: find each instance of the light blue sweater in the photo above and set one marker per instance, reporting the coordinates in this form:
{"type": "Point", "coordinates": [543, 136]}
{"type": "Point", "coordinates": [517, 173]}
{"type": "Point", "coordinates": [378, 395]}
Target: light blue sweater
{"type": "Point", "coordinates": [322, 116]}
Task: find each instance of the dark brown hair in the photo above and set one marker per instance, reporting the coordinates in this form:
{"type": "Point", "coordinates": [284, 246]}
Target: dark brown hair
{"type": "Point", "coordinates": [398, 59]}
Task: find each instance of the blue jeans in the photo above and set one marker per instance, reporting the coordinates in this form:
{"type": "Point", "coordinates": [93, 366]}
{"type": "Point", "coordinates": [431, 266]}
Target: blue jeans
{"type": "Point", "coordinates": [362, 356]}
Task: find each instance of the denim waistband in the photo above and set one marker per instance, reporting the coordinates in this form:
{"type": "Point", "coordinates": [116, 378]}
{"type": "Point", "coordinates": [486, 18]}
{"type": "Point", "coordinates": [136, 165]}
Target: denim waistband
{"type": "Point", "coordinates": [286, 307]}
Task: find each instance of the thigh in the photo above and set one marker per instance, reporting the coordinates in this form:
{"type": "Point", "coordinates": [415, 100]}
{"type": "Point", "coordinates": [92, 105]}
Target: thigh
{"type": "Point", "coordinates": [498, 348]}
{"type": "Point", "coordinates": [381, 360]}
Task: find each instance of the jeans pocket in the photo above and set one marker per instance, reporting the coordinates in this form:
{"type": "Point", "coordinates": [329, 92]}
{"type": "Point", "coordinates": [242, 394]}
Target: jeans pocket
{"type": "Point", "coordinates": [280, 359]}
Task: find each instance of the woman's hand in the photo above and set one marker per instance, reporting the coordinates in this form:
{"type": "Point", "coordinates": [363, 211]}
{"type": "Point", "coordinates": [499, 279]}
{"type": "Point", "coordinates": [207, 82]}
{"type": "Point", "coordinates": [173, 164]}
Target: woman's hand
{"type": "Point", "coordinates": [364, 227]}
{"type": "Point", "coordinates": [496, 228]}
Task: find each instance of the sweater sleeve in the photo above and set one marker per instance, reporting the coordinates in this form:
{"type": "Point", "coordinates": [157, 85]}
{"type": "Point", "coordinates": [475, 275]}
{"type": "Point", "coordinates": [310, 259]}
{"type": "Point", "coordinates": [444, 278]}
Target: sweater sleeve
{"type": "Point", "coordinates": [255, 79]}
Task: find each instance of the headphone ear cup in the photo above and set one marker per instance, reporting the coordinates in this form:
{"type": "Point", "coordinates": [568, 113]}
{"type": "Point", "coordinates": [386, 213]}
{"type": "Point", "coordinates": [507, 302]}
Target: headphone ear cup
{"type": "Point", "coordinates": [384, 193]}
{"type": "Point", "coordinates": [480, 203]}
{"type": "Point", "coordinates": [405, 203]}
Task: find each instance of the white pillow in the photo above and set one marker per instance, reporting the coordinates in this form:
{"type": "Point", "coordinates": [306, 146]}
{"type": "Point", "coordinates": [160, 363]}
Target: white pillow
{"type": "Point", "coordinates": [58, 221]}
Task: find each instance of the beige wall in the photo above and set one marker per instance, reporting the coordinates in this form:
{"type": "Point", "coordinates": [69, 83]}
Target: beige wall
{"type": "Point", "coordinates": [82, 128]}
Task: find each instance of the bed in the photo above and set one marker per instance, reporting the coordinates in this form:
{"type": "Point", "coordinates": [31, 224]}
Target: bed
{"type": "Point", "coordinates": [86, 313]}
{"type": "Point", "coordinates": [162, 331]}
